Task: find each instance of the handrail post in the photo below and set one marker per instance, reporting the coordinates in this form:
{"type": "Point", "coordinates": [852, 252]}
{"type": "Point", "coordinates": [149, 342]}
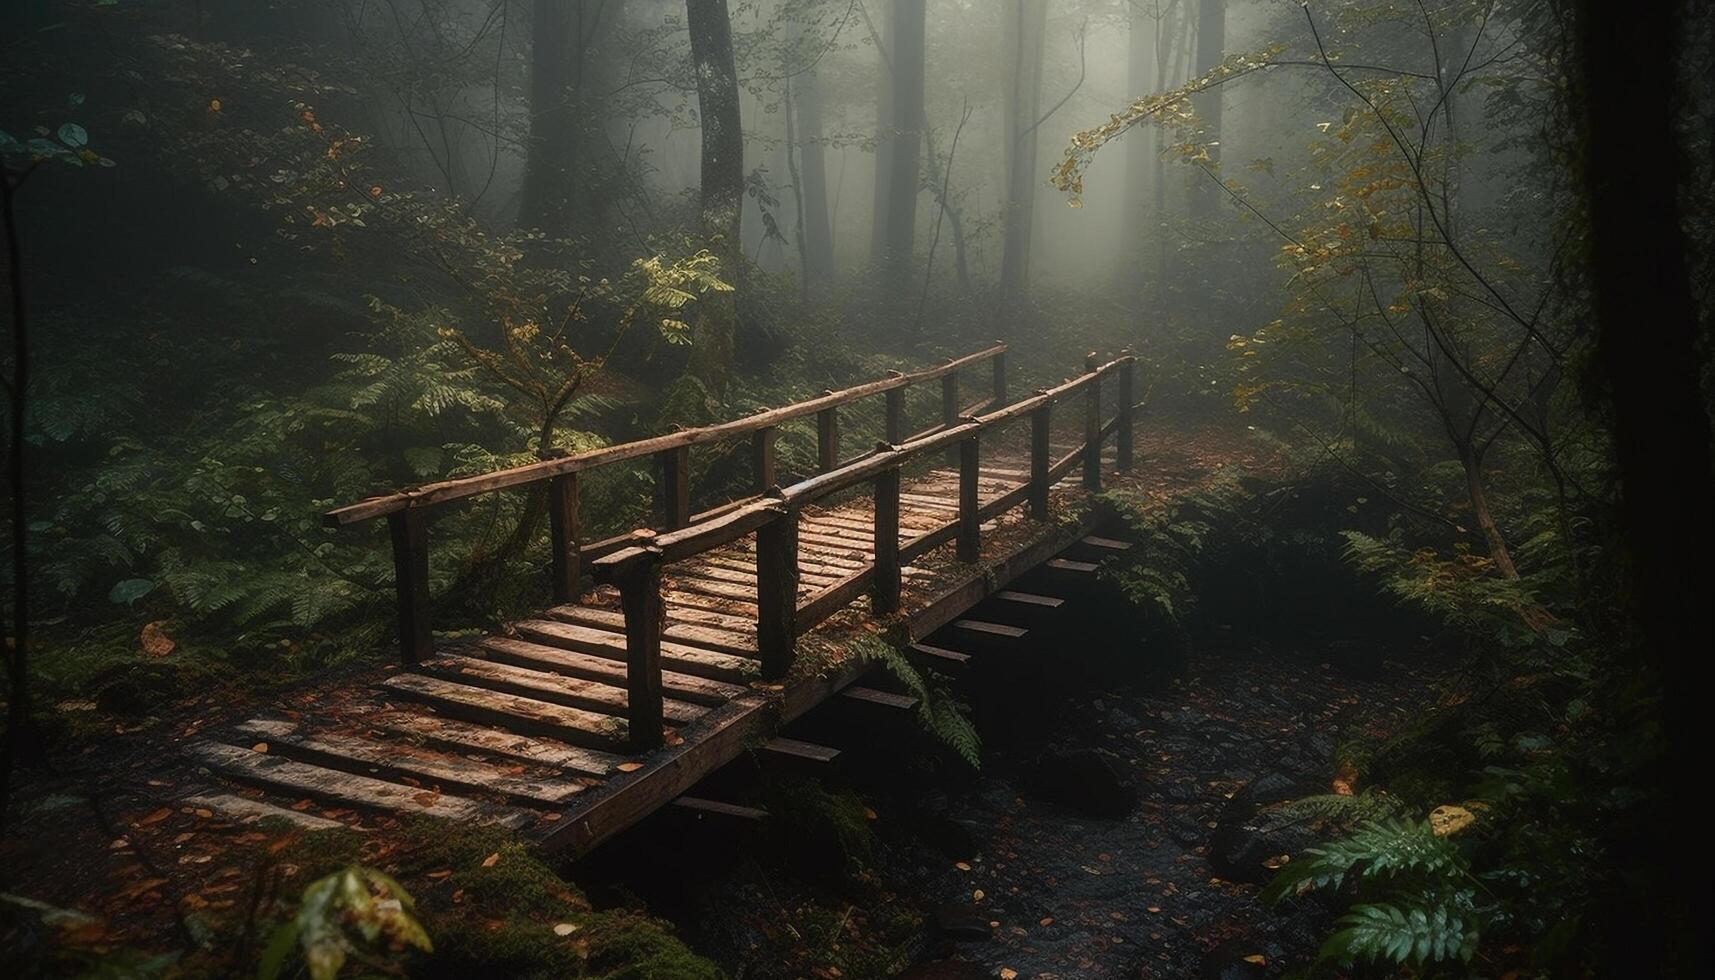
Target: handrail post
{"type": "Point", "coordinates": [675, 468]}
{"type": "Point", "coordinates": [950, 404]}
{"type": "Point", "coordinates": [1123, 436]}
{"type": "Point", "coordinates": [894, 416]}
{"type": "Point", "coordinates": [640, 599]}
{"type": "Point", "coordinates": [970, 520]}
{"type": "Point", "coordinates": [411, 583]}
{"type": "Point", "coordinates": [563, 533]}
{"type": "Point", "coordinates": [885, 596]}
{"type": "Point", "coordinates": [828, 439]}
{"type": "Point", "coordinates": [762, 458]}
{"type": "Point", "coordinates": [1040, 423]}
{"type": "Point", "coordinates": [950, 399]}
{"type": "Point", "coordinates": [1093, 429]}
{"type": "Point", "coordinates": [1000, 380]}
{"type": "Point", "coordinates": [777, 593]}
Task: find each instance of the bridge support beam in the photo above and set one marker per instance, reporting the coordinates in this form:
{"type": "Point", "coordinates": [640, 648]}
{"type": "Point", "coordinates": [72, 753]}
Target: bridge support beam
{"type": "Point", "coordinates": [411, 583]}
{"type": "Point", "coordinates": [828, 439]}
{"type": "Point", "coordinates": [999, 363]}
{"type": "Point", "coordinates": [885, 597]}
{"type": "Point", "coordinates": [563, 531]}
{"type": "Point", "coordinates": [1040, 429]}
{"type": "Point", "coordinates": [970, 516]}
{"type": "Point", "coordinates": [777, 593]}
{"type": "Point", "coordinates": [762, 458]}
{"type": "Point", "coordinates": [1093, 429]}
{"type": "Point", "coordinates": [675, 466]}
{"type": "Point", "coordinates": [640, 599]}
{"type": "Point", "coordinates": [1122, 429]}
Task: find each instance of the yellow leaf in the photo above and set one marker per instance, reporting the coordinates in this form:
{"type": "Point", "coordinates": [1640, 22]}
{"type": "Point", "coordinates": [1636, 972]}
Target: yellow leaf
{"type": "Point", "coordinates": [491, 860]}
{"type": "Point", "coordinates": [1449, 819]}
{"type": "Point", "coordinates": [156, 642]}
{"type": "Point", "coordinates": [629, 766]}
{"type": "Point", "coordinates": [1008, 973]}
{"type": "Point", "coordinates": [1257, 958]}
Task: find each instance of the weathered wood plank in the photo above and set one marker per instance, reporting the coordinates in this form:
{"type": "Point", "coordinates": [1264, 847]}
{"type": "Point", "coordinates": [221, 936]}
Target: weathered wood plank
{"type": "Point", "coordinates": [469, 737]}
{"type": "Point", "coordinates": [719, 809]}
{"type": "Point", "coordinates": [1109, 544]}
{"type": "Point", "coordinates": [990, 629]}
{"type": "Point", "coordinates": [801, 750]}
{"type": "Point", "coordinates": [555, 688]}
{"type": "Point", "coordinates": [348, 789]}
{"type": "Point", "coordinates": [365, 757]}
{"type": "Point", "coordinates": [521, 714]}
{"type": "Point", "coordinates": [711, 637]}
{"type": "Point", "coordinates": [1069, 565]}
{"type": "Point", "coordinates": [570, 663]}
{"type": "Point", "coordinates": [246, 810]}
{"type": "Point", "coordinates": [684, 659]}
{"type": "Point", "coordinates": [940, 654]}
{"type": "Point", "coordinates": [1029, 599]}
{"type": "Point", "coordinates": [886, 699]}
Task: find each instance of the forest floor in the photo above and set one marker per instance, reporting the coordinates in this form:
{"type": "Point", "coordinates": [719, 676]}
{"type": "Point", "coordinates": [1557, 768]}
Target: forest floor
{"type": "Point", "coordinates": [96, 833]}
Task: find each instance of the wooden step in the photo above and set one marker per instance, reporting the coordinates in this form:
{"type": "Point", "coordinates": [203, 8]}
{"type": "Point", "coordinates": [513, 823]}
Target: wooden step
{"type": "Point", "coordinates": [990, 629]}
{"type": "Point", "coordinates": [364, 757]}
{"type": "Point", "coordinates": [572, 692]}
{"type": "Point", "coordinates": [570, 663]}
{"type": "Point", "coordinates": [940, 654]}
{"type": "Point", "coordinates": [248, 811]}
{"type": "Point", "coordinates": [1029, 599]}
{"type": "Point", "coordinates": [717, 808]}
{"type": "Point", "coordinates": [347, 789]}
{"type": "Point", "coordinates": [466, 736]}
{"type": "Point", "coordinates": [1109, 544]}
{"type": "Point", "coordinates": [884, 698]}
{"type": "Point", "coordinates": [1069, 565]}
{"type": "Point", "coordinates": [800, 750]}
{"type": "Point", "coordinates": [675, 656]}
{"type": "Point", "coordinates": [510, 711]}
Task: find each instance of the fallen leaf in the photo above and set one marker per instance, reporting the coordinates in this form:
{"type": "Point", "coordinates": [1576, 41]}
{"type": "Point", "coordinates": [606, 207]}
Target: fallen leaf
{"type": "Point", "coordinates": [491, 860]}
{"type": "Point", "coordinates": [1448, 819]}
{"type": "Point", "coordinates": [156, 642]}
{"type": "Point", "coordinates": [1008, 973]}
{"type": "Point", "coordinates": [1046, 920]}
{"type": "Point", "coordinates": [629, 766]}
{"type": "Point", "coordinates": [426, 798]}
{"type": "Point", "coordinates": [962, 866]}
{"type": "Point", "coordinates": [1345, 779]}
{"type": "Point", "coordinates": [565, 928]}
{"type": "Point", "coordinates": [1257, 958]}
{"type": "Point", "coordinates": [1277, 862]}
{"type": "Point", "coordinates": [261, 747]}
{"type": "Point", "coordinates": [977, 895]}
{"type": "Point", "coordinates": [156, 817]}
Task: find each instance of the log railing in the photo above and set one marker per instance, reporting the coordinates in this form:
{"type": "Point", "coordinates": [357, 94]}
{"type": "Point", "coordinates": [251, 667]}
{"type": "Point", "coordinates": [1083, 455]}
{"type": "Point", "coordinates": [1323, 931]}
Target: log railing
{"type": "Point", "coordinates": [774, 518]}
{"type": "Point", "coordinates": [406, 510]}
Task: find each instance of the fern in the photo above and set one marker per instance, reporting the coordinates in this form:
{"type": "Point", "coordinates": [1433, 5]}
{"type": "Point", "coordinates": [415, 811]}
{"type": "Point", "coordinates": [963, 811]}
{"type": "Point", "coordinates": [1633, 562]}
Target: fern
{"type": "Point", "coordinates": [1413, 935]}
{"type": "Point", "coordinates": [1377, 848]}
{"type": "Point", "coordinates": [938, 712]}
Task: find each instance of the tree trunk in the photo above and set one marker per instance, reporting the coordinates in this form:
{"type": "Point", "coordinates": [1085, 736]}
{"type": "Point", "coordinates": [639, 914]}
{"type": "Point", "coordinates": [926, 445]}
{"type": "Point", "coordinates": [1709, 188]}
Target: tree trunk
{"type": "Point", "coordinates": [1649, 346]}
{"type": "Point", "coordinates": [1211, 50]}
{"type": "Point", "coordinates": [906, 30]}
{"type": "Point", "coordinates": [722, 200]}
{"type": "Point", "coordinates": [1498, 551]}
{"type": "Point", "coordinates": [550, 166]}
{"type": "Point", "coordinates": [883, 141]}
{"type": "Point", "coordinates": [817, 232]}
{"type": "Point", "coordinates": [1027, 23]}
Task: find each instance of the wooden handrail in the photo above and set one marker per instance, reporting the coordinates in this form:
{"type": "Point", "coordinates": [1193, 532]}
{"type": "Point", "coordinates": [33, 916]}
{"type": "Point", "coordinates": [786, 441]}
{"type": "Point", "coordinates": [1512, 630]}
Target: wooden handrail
{"type": "Point", "coordinates": [471, 486]}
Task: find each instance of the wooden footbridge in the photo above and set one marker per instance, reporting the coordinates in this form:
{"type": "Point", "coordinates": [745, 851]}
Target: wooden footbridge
{"type": "Point", "coordinates": [700, 638]}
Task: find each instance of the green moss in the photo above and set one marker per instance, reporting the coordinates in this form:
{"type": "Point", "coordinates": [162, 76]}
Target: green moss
{"type": "Point", "coordinates": [824, 822]}
{"type": "Point", "coordinates": [628, 947]}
